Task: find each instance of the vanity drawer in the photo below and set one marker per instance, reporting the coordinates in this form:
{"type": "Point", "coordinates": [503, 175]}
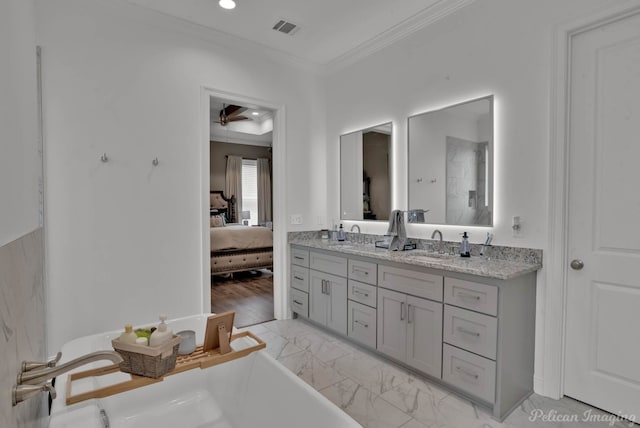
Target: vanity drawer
{"type": "Point", "coordinates": [300, 257]}
{"type": "Point", "coordinates": [416, 283]}
{"type": "Point", "coordinates": [300, 302]}
{"type": "Point", "coordinates": [469, 372]}
{"type": "Point", "coordinates": [363, 293]}
{"type": "Point", "coordinates": [300, 278]}
{"type": "Point", "coordinates": [472, 331]}
{"type": "Point", "coordinates": [362, 322]}
{"type": "Point", "coordinates": [471, 295]}
{"type": "Point", "coordinates": [363, 271]}
{"type": "Point", "coordinates": [322, 262]}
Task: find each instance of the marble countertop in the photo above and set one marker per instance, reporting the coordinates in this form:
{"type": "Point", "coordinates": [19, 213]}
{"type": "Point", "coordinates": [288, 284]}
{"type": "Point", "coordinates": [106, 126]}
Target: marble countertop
{"type": "Point", "coordinates": [474, 265]}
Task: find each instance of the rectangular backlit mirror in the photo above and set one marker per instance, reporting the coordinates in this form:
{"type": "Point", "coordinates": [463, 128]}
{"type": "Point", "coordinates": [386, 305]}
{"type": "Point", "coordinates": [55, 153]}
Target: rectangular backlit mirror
{"type": "Point", "coordinates": [365, 174]}
{"type": "Point", "coordinates": [451, 164]}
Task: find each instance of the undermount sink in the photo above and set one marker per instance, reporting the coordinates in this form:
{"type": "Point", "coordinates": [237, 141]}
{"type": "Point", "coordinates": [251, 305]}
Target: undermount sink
{"type": "Point", "coordinates": [431, 254]}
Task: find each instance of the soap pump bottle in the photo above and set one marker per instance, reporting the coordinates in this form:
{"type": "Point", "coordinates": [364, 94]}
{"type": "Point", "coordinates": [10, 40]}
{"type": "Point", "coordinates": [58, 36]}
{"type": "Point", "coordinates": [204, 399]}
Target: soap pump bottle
{"type": "Point", "coordinates": [162, 334]}
{"type": "Point", "coordinates": [128, 336]}
{"type": "Point", "coordinates": [341, 233]}
{"type": "Point", "coordinates": [464, 246]}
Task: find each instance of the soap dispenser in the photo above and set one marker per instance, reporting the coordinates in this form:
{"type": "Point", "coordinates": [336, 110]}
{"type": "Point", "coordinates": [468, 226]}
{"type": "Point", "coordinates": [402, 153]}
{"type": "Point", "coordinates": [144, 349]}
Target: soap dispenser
{"type": "Point", "coordinates": [162, 334]}
{"type": "Point", "coordinates": [128, 336]}
{"type": "Point", "coordinates": [341, 233]}
{"type": "Point", "coordinates": [464, 246]}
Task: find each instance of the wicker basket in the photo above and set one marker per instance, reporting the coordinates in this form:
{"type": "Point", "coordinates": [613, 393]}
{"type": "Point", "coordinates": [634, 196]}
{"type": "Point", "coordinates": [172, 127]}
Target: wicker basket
{"type": "Point", "coordinates": [148, 361]}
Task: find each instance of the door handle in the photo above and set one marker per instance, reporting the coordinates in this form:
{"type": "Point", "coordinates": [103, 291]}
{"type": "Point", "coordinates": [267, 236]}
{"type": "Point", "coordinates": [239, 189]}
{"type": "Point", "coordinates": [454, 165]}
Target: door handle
{"type": "Point", "coordinates": [323, 286]}
{"type": "Point", "coordinates": [577, 264]}
{"type": "Point", "coordinates": [401, 311]}
{"type": "Point", "coordinates": [328, 287]}
{"type": "Point", "coordinates": [409, 314]}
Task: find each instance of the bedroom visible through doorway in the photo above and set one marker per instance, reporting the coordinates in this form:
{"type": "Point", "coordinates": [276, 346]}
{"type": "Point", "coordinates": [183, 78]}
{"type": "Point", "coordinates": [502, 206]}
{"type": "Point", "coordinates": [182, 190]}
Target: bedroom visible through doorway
{"type": "Point", "coordinates": [241, 231]}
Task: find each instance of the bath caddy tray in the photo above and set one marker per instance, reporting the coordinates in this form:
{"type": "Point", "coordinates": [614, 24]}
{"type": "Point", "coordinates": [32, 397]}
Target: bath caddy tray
{"type": "Point", "coordinates": [197, 359]}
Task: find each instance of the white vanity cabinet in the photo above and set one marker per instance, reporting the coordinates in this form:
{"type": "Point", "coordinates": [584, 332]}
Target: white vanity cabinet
{"type": "Point", "coordinates": [328, 290]}
{"type": "Point", "coordinates": [488, 338]}
{"type": "Point", "coordinates": [299, 292]}
{"type": "Point", "coordinates": [473, 333]}
{"type": "Point", "coordinates": [362, 292]}
{"type": "Point", "coordinates": [410, 326]}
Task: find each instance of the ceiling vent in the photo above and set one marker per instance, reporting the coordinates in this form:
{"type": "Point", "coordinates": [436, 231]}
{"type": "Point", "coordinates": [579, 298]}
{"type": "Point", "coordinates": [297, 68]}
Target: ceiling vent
{"type": "Point", "coordinates": [286, 27]}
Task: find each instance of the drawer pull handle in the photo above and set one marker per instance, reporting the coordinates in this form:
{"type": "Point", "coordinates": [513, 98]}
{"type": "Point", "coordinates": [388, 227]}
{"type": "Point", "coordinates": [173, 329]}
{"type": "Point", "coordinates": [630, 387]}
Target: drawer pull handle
{"type": "Point", "coordinates": [409, 314]}
{"type": "Point", "coordinates": [324, 283]}
{"type": "Point", "coordinates": [298, 258]}
{"type": "Point", "coordinates": [469, 332]}
{"type": "Point", "coordinates": [401, 311]}
{"type": "Point", "coordinates": [328, 288]}
{"type": "Point", "coordinates": [361, 323]}
{"type": "Point", "coordinates": [356, 291]}
{"type": "Point", "coordinates": [298, 278]}
{"type": "Point", "coordinates": [360, 271]}
{"type": "Point", "coordinates": [468, 296]}
{"type": "Point", "coordinates": [466, 372]}
{"type": "Point", "coordinates": [299, 303]}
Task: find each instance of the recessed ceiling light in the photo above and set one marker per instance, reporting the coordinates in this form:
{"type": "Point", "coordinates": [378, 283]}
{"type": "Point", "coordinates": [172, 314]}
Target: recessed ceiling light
{"type": "Point", "coordinates": [255, 113]}
{"type": "Point", "coordinates": [227, 4]}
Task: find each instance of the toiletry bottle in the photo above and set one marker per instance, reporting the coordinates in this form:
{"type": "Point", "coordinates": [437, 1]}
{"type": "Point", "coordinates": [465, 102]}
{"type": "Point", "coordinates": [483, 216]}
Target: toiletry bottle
{"type": "Point", "coordinates": [464, 246]}
{"type": "Point", "coordinates": [128, 336]}
{"type": "Point", "coordinates": [162, 334]}
{"type": "Point", "coordinates": [334, 233]}
{"type": "Point", "coordinates": [341, 233]}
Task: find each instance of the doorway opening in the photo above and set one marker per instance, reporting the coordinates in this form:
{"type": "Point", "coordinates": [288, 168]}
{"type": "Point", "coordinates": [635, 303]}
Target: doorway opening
{"type": "Point", "coordinates": [241, 232]}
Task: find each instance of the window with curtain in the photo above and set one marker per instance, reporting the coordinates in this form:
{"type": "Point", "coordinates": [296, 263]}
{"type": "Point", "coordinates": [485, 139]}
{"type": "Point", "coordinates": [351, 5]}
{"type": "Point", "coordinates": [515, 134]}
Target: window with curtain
{"type": "Point", "coordinates": [249, 191]}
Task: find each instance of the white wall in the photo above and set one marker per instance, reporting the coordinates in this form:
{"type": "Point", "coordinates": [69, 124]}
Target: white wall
{"type": "Point", "coordinates": [499, 47]}
{"type": "Point", "coordinates": [19, 162]}
{"type": "Point", "coordinates": [124, 238]}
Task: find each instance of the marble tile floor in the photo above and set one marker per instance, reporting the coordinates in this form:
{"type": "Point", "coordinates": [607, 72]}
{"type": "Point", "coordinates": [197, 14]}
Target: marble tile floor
{"type": "Point", "coordinates": [379, 394]}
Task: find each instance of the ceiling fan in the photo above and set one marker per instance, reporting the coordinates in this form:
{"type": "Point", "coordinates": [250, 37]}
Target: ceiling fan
{"type": "Point", "coordinates": [231, 113]}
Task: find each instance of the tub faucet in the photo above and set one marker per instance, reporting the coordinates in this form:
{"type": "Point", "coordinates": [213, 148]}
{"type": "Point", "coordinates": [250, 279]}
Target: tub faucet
{"type": "Point", "coordinates": [433, 235]}
{"type": "Point", "coordinates": [39, 376]}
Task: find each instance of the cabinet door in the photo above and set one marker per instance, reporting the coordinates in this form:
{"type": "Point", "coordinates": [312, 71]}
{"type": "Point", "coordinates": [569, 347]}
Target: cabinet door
{"type": "Point", "coordinates": [424, 335]}
{"type": "Point", "coordinates": [337, 303]}
{"type": "Point", "coordinates": [317, 297]}
{"type": "Point", "coordinates": [392, 327]}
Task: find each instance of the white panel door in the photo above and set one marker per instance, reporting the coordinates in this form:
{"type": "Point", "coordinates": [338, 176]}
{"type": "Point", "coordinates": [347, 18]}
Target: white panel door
{"type": "Point", "coordinates": [602, 365]}
{"type": "Point", "coordinates": [392, 326]}
{"type": "Point", "coordinates": [424, 335]}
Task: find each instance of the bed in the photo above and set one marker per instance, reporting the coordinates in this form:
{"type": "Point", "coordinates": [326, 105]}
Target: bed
{"type": "Point", "coordinates": [235, 247]}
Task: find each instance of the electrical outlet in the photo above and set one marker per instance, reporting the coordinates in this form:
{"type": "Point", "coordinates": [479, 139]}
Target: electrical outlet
{"type": "Point", "coordinates": [516, 226]}
{"type": "Point", "coordinates": [296, 218]}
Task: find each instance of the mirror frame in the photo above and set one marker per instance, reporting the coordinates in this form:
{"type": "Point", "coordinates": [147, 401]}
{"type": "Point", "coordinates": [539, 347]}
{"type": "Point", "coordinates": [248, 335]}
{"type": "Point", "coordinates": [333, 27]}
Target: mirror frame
{"type": "Point", "coordinates": [391, 187]}
{"type": "Point", "coordinates": [490, 162]}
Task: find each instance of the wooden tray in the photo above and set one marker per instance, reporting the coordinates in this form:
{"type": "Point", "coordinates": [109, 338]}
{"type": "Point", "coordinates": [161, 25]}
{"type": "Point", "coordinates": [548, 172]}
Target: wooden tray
{"type": "Point", "coordinates": [197, 359]}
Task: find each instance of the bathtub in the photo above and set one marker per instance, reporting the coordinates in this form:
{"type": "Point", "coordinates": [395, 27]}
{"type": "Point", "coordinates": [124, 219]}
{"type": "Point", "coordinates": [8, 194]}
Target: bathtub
{"type": "Point", "coordinates": [254, 391]}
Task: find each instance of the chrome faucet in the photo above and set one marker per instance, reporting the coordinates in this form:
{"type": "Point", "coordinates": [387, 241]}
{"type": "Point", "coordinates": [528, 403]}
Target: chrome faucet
{"type": "Point", "coordinates": [38, 376]}
{"type": "Point", "coordinates": [433, 235]}
{"type": "Point", "coordinates": [355, 226]}
{"type": "Point", "coordinates": [34, 376]}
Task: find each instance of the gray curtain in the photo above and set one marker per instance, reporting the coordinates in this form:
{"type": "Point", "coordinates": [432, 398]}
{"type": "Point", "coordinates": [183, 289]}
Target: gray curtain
{"type": "Point", "coordinates": [264, 191]}
{"type": "Point", "coordinates": [233, 183]}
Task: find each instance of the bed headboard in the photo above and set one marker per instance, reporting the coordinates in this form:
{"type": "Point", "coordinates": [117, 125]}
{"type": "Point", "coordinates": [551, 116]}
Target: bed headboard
{"type": "Point", "coordinates": [219, 204]}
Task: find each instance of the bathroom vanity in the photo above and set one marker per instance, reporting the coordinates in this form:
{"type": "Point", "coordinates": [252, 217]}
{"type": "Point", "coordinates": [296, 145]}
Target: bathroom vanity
{"type": "Point", "coordinates": [468, 324]}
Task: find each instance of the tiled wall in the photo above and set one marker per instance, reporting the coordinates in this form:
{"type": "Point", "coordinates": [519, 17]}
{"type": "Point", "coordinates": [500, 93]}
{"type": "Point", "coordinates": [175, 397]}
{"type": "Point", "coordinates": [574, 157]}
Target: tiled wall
{"type": "Point", "coordinates": [22, 328]}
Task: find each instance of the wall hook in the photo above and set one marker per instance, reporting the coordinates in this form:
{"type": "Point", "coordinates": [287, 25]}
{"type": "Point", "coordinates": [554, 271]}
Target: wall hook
{"type": "Point", "coordinates": [419, 180]}
{"type": "Point", "coordinates": [155, 161]}
{"type": "Point", "coordinates": [104, 158]}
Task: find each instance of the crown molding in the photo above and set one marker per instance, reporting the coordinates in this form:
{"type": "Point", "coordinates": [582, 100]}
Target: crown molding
{"type": "Point", "coordinates": [398, 32]}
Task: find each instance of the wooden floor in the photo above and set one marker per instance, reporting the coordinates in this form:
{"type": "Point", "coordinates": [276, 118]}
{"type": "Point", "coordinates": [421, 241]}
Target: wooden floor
{"type": "Point", "coordinates": [250, 294]}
